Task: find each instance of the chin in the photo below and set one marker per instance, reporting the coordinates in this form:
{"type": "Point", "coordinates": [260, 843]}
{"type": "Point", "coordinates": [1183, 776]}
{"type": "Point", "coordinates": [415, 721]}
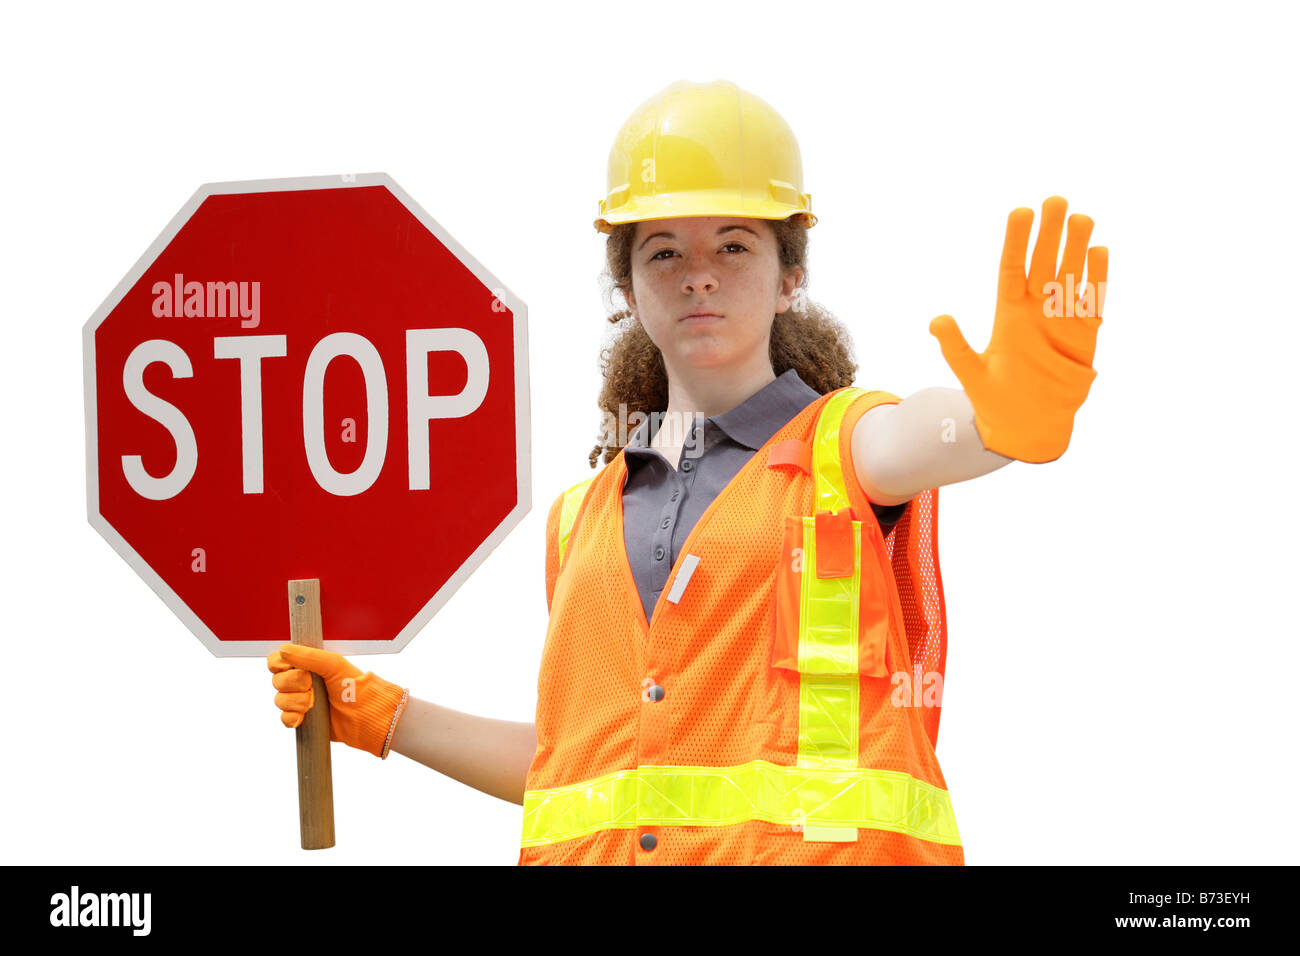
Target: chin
{"type": "Point", "coordinates": [707, 357]}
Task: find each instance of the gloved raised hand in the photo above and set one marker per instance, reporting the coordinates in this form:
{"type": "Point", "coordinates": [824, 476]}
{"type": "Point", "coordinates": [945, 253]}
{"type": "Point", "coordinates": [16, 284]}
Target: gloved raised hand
{"type": "Point", "coordinates": [363, 707]}
{"type": "Point", "coordinates": [1036, 372]}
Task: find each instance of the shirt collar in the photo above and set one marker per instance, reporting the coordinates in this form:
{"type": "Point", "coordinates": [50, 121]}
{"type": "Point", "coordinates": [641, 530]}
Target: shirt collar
{"type": "Point", "coordinates": [756, 419]}
{"type": "Point", "coordinates": [759, 417]}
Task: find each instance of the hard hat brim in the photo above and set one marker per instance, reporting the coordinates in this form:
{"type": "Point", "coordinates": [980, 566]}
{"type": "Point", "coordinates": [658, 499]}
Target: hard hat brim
{"type": "Point", "coordinates": [696, 203]}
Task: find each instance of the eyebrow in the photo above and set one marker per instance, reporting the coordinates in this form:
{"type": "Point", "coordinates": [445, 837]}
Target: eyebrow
{"type": "Point", "coordinates": [719, 232]}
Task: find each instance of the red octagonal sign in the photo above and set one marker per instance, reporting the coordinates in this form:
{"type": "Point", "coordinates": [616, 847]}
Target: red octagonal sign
{"type": "Point", "coordinates": [306, 378]}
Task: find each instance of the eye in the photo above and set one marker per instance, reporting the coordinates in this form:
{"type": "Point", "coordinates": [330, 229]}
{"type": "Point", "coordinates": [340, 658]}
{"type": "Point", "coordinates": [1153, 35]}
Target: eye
{"type": "Point", "coordinates": [656, 256]}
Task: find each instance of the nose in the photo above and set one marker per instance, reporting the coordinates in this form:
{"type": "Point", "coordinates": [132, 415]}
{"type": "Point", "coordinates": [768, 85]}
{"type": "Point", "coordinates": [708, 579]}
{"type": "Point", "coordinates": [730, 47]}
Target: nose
{"type": "Point", "coordinates": [699, 280]}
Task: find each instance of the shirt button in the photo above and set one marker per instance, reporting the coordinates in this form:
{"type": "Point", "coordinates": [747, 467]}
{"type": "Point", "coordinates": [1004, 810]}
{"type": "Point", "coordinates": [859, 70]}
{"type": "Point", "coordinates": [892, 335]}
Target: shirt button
{"type": "Point", "coordinates": [687, 465]}
{"type": "Point", "coordinates": [664, 523]}
{"type": "Point", "coordinates": [648, 841]}
{"type": "Point", "coordinates": [655, 693]}
{"type": "Point", "coordinates": [659, 554]}
{"type": "Point", "coordinates": [674, 496]}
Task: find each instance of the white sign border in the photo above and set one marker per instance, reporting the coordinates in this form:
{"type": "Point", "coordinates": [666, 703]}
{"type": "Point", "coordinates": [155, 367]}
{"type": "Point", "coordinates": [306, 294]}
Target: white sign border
{"type": "Point", "coordinates": [523, 419]}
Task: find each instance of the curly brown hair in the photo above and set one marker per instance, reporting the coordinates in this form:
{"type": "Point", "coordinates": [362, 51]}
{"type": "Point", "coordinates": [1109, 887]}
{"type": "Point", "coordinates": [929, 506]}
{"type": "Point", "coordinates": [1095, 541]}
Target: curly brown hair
{"type": "Point", "coordinates": [806, 337]}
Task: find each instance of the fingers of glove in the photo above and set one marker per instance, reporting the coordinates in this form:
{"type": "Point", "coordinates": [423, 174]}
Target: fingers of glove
{"type": "Point", "coordinates": [1042, 267]}
{"type": "Point", "coordinates": [1076, 335]}
{"type": "Point", "coordinates": [325, 663]}
{"type": "Point", "coordinates": [294, 703]}
{"type": "Point", "coordinates": [1011, 276]}
{"type": "Point", "coordinates": [291, 719]}
{"type": "Point", "coordinates": [1098, 260]}
{"type": "Point", "coordinates": [275, 663]}
{"type": "Point", "coordinates": [294, 680]}
{"type": "Point", "coordinates": [1078, 231]}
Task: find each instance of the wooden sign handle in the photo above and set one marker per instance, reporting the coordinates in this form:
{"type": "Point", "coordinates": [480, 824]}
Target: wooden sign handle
{"type": "Point", "coordinates": [315, 781]}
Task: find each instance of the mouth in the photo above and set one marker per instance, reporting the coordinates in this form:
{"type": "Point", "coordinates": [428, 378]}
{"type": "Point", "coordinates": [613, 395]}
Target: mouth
{"type": "Point", "coordinates": [698, 317]}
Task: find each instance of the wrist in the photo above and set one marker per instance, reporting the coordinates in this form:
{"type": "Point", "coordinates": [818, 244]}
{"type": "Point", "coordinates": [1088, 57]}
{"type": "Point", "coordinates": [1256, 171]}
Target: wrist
{"type": "Point", "coordinates": [392, 727]}
{"type": "Point", "coordinates": [1036, 447]}
{"type": "Point", "coordinates": [373, 713]}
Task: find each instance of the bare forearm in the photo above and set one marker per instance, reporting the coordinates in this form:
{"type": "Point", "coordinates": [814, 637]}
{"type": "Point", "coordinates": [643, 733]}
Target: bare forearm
{"type": "Point", "coordinates": [926, 441]}
{"type": "Point", "coordinates": [489, 755]}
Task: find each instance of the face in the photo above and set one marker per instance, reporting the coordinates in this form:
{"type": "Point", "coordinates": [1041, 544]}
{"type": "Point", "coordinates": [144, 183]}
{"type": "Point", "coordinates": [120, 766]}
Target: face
{"type": "Point", "coordinates": [728, 267]}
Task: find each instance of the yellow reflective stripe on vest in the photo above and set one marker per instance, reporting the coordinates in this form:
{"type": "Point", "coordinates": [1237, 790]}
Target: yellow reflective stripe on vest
{"type": "Point", "coordinates": [724, 796]}
{"type": "Point", "coordinates": [828, 661]}
{"type": "Point", "coordinates": [828, 616]}
{"type": "Point", "coordinates": [569, 511]}
{"type": "Point", "coordinates": [829, 493]}
{"type": "Point", "coordinates": [828, 612]}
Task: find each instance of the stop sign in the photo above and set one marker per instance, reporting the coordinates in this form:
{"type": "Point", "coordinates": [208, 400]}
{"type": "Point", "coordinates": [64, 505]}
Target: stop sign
{"type": "Point", "coordinates": [306, 378]}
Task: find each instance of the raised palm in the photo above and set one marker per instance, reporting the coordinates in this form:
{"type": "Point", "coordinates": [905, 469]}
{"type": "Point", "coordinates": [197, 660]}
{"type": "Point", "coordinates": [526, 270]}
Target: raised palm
{"type": "Point", "coordinates": [1037, 370]}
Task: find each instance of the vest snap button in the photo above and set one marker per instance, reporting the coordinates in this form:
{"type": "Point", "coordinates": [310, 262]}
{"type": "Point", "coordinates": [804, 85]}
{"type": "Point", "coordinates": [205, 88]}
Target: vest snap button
{"type": "Point", "coordinates": [648, 841]}
{"type": "Point", "coordinates": [656, 693]}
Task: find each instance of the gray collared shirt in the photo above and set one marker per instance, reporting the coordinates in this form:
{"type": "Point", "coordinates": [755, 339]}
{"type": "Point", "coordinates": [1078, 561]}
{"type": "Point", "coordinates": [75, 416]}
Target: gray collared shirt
{"type": "Point", "coordinates": [661, 505]}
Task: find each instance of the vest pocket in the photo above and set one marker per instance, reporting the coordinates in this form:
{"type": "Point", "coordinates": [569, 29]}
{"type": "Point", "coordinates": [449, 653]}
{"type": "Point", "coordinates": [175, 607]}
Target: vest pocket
{"type": "Point", "coordinates": [831, 608]}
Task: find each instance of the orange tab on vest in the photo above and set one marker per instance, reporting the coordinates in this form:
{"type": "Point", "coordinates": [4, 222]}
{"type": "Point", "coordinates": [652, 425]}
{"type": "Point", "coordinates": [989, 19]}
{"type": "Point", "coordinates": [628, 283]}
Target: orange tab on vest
{"type": "Point", "coordinates": [792, 452]}
{"type": "Point", "coordinates": [835, 544]}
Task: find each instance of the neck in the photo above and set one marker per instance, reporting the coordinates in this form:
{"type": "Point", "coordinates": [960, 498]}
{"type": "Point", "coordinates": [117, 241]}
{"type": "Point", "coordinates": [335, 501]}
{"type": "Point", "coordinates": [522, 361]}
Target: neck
{"type": "Point", "coordinates": [712, 391]}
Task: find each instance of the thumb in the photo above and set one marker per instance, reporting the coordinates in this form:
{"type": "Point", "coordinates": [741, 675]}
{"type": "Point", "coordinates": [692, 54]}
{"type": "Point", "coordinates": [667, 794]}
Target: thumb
{"type": "Point", "coordinates": [961, 358]}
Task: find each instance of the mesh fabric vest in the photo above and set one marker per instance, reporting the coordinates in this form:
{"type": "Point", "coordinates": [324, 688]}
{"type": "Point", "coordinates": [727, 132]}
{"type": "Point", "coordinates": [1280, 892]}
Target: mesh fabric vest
{"type": "Point", "coordinates": [706, 736]}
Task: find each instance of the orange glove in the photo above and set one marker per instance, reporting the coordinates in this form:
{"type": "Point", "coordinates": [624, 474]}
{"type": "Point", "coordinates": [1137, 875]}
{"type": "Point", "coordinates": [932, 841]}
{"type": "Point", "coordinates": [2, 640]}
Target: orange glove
{"type": "Point", "coordinates": [363, 708]}
{"type": "Point", "coordinates": [1036, 372]}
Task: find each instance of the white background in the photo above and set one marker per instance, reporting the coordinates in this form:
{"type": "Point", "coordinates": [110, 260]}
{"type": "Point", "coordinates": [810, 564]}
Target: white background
{"type": "Point", "coordinates": [1121, 620]}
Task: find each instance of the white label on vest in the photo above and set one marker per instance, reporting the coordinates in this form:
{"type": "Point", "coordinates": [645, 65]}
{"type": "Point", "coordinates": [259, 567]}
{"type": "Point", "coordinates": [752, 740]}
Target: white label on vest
{"type": "Point", "coordinates": [830, 834]}
{"type": "Point", "coordinates": [683, 578]}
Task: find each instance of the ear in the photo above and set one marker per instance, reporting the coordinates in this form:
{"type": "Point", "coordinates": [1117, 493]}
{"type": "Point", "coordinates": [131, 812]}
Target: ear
{"type": "Point", "coordinates": [789, 283]}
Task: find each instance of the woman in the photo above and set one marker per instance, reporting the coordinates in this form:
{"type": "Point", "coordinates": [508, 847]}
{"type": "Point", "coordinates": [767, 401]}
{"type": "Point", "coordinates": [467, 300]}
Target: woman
{"type": "Point", "coordinates": [721, 676]}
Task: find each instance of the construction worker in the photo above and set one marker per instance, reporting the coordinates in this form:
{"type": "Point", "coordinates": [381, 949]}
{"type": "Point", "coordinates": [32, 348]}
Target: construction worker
{"type": "Point", "coordinates": [746, 644]}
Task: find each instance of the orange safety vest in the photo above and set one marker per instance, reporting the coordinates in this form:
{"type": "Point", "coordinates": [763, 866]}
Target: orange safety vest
{"type": "Point", "coordinates": [781, 706]}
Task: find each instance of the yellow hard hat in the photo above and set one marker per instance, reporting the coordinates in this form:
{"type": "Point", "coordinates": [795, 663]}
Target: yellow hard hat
{"type": "Point", "coordinates": [704, 149]}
